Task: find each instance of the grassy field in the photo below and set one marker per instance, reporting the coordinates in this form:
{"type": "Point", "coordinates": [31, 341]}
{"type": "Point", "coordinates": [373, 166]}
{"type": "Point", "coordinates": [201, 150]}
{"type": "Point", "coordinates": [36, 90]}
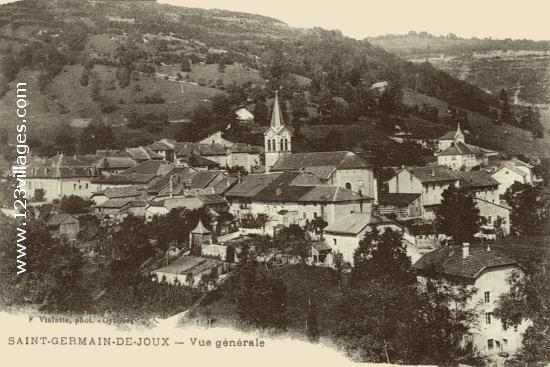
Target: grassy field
{"type": "Point", "coordinates": [505, 138]}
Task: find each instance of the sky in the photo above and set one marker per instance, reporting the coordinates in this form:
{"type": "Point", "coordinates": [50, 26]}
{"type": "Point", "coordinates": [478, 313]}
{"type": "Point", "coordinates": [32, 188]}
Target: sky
{"type": "Point", "coordinates": [364, 18]}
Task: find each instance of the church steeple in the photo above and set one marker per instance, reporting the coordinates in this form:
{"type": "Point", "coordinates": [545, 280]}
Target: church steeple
{"type": "Point", "coordinates": [277, 138]}
{"type": "Point", "coordinates": [459, 137]}
{"type": "Point", "coordinates": [276, 116]}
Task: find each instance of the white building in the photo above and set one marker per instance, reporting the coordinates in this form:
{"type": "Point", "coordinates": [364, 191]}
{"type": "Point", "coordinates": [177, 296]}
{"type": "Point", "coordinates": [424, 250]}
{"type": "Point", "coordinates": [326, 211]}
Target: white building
{"type": "Point", "coordinates": [487, 272]}
{"type": "Point", "coordinates": [293, 198]}
{"type": "Point", "coordinates": [62, 175]}
{"type": "Point", "coordinates": [344, 235]}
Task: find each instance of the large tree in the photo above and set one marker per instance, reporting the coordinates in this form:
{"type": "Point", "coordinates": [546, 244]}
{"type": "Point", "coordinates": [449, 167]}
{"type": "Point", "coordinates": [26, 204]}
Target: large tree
{"type": "Point", "coordinates": [529, 299]}
{"type": "Point", "coordinates": [381, 256]}
{"type": "Point", "coordinates": [528, 208]}
{"type": "Point", "coordinates": [458, 216]}
{"type": "Point", "coordinates": [53, 278]}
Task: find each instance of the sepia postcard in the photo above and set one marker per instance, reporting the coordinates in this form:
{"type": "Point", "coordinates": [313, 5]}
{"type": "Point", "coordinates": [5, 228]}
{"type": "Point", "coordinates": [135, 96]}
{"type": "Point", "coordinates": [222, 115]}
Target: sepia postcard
{"type": "Point", "coordinates": [274, 183]}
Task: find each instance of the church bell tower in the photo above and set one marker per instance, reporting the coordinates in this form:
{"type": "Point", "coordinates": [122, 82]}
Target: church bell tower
{"type": "Point", "coordinates": [277, 139]}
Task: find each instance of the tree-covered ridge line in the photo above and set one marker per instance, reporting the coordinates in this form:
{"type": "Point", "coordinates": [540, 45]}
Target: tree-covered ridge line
{"type": "Point", "coordinates": [424, 43]}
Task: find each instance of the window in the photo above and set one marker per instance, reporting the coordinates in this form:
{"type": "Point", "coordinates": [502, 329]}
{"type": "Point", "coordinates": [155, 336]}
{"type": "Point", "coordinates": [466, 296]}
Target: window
{"type": "Point", "coordinates": [286, 144]}
{"type": "Point", "coordinates": [273, 146]}
{"type": "Point", "coordinates": [487, 296]}
{"type": "Point", "coordinates": [86, 186]}
{"type": "Point", "coordinates": [281, 144]}
{"type": "Point", "coordinates": [488, 318]}
{"type": "Point", "coordinates": [74, 186]}
{"type": "Point", "coordinates": [490, 344]}
{"type": "Point", "coordinates": [269, 145]}
{"type": "Point", "coordinates": [314, 214]}
{"type": "Point", "coordinates": [348, 186]}
{"type": "Point", "coordinates": [335, 243]}
{"type": "Point", "coordinates": [504, 343]}
{"type": "Point", "coordinates": [304, 214]}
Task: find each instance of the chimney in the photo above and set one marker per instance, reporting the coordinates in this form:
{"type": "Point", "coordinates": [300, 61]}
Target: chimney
{"type": "Point", "coordinates": [465, 250]}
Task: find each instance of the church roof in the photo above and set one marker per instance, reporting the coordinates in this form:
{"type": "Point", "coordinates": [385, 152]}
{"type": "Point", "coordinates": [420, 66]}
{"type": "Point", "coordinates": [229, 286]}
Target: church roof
{"type": "Point", "coordinates": [276, 116]}
{"type": "Point", "coordinates": [338, 160]}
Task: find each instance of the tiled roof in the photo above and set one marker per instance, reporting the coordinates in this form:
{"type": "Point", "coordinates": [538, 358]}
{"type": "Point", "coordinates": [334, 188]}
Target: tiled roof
{"type": "Point", "coordinates": [115, 203]}
{"type": "Point", "coordinates": [120, 192]}
{"type": "Point", "coordinates": [476, 179]}
{"type": "Point", "coordinates": [519, 162]}
{"type": "Point", "coordinates": [56, 219]}
{"type": "Point", "coordinates": [142, 173]}
{"type": "Point", "coordinates": [433, 174]}
{"type": "Point", "coordinates": [63, 166]}
{"type": "Point", "coordinates": [449, 135]}
{"type": "Point", "coordinates": [321, 172]}
{"type": "Point", "coordinates": [116, 162]}
{"type": "Point", "coordinates": [397, 199]}
{"type": "Point", "coordinates": [460, 148]}
{"type": "Point", "coordinates": [143, 153]}
{"type": "Point", "coordinates": [195, 160]}
{"type": "Point", "coordinates": [352, 224]}
{"type": "Point", "coordinates": [212, 199]}
{"type": "Point", "coordinates": [448, 262]}
{"type": "Point", "coordinates": [338, 160]}
{"type": "Point", "coordinates": [289, 187]}
{"type": "Point", "coordinates": [252, 184]}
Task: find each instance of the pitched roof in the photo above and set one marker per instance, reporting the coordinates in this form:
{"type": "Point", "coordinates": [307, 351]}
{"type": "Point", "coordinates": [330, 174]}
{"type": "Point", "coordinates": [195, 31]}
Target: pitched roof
{"type": "Point", "coordinates": [195, 160]}
{"type": "Point", "coordinates": [120, 192]}
{"type": "Point", "coordinates": [448, 262]}
{"type": "Point", "coordinates": [338, 160]}
{"type": "Point", "coordinates": [519, 162]}
{"type": "Point", "coordinates": [252, 184]}
{"type": "Point", "coordinates": [291, 186]}
{"type": "Point", "coordinates": [460, 148]}
{"type": "Point", "coordinates": [351, 224]}
{"type": "Point", "coordinates": [115, 203]}
{"type": "Point", "coordinates": [475, 179]}
{"type": "Point", "coordinates": [142, 173]}
{"type": "Point", "coordinates": [433, 174]}
{"type": "Point", "coordinates": [56, 219]}
{"type": "Point", "coordinates": [143, 153]}
{"type": "Point", "coordinates": [449, 135]}
{"type": "Point", "coordinates": [116, 162]}
{"type": "Point", "coordinates": [200, 228]}
{"type": "Point", "coordinates": [397, 199]}
{"type": "Point", "coordinates": [63, 166]}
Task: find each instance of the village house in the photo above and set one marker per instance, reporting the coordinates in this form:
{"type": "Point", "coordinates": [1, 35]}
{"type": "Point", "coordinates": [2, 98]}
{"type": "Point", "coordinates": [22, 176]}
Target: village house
{"type": "Point", "coordinates": [479, 184]}
{"type": "Point", "coordinates": [109, 165]}
{"type": "Point", "coordinates": [344, 234]}
{"type": "Point", "coordinates": [496, 218]}
{"type": "Point", "coordinates": [209, 152]}
{"type": "Point", "coordinates": [185, 180]}
{"type": "Point", "coordinates": [292, 198]}
{"type": "Point", "coordinates": [457, 155]}
{"type": "Point", "coordinates": [143, 174]}
{"type": "Point", "coordinates": [486, 271]}
{"type": "Point", "coordinates": [187, 270]}
{"type": "Point", "coordinates": [509, 172]}
{"type": "Point", "coordinates": [163, 207]}
{"type": "Point", "coordinates": [125, 192]}
{"type": "Point", "coordinates": [65, 225]}
{"type": "Point", "coordinates": [60, 176]}
{"type": "Point", "coordinates": [400, 206]}
{"type": "Point", "coordinates": [429, 182]}
{"type": "Point", "coordinates": [244, 116]}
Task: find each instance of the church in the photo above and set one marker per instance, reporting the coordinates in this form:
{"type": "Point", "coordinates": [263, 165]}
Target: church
{"type": "Point", "coordinates": [342, 168]}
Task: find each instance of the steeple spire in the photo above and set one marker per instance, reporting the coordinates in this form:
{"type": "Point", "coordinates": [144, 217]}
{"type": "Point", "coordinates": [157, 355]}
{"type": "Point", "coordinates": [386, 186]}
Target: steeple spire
{"type": "Point", "coordinates": [276, 116]}
{"type": "Point", "coordinates": [459, 137]}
